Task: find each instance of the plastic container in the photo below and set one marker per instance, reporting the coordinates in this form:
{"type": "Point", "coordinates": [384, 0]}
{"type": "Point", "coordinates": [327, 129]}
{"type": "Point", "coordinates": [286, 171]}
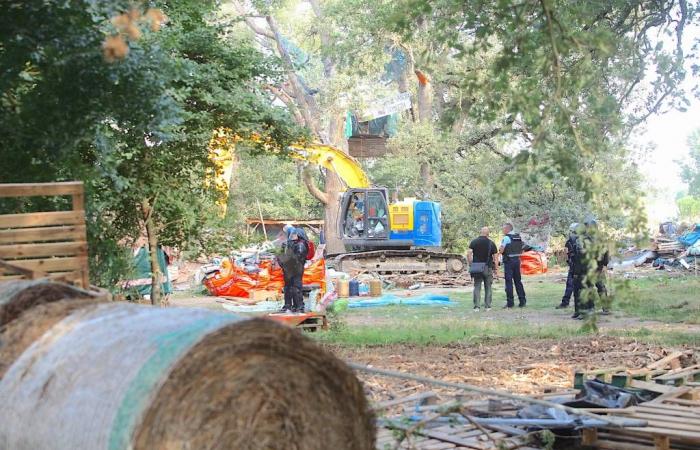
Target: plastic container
{"type": "Point", "coordinates": [375, 288]}
{"type": "Point", "coordinates": [364, 290]}
{"type": "Point", "coordinates": [354, 288]}
{"type": "Point", "coordinates": [343, 289]}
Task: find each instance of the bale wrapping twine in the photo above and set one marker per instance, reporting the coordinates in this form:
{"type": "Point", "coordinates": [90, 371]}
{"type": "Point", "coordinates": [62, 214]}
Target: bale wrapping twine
{"type": "Point", "coordinates": [122, 376]}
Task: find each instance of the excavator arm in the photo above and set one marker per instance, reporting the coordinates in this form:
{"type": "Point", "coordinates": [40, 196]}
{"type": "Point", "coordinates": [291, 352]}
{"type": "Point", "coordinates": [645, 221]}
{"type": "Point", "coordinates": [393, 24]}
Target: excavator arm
{"type": "Point", "coordinates": [331, 158]}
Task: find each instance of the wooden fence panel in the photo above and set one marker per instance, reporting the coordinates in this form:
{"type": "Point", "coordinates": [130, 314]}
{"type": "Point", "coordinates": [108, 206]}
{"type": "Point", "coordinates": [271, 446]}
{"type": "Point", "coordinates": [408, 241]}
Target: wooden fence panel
{"type": "Point", "coordinates": [49, 244]}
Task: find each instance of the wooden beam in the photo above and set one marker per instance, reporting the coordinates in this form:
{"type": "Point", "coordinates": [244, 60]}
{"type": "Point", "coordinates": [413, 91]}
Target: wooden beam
{"type": "Point", "coordinates": [39, 189]}
{"type": "Point", "coordinates": [43, 250]}
{"type": "Point", "coordinates": [43, 234]}
{"type": "Point", "coordinates": [40, 219]}
{"type": "Point", "coordinates": [662, 443]}
{"type": "Point", "coordinates": [53, 264]}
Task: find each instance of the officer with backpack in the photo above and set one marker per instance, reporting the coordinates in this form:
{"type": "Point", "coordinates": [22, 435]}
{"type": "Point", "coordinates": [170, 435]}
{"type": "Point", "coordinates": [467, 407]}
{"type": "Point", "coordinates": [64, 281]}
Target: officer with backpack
{"type": "Point", "coordinates": [511, 248]}
{"type": "Point", "coordinates": [569, 245]}
{"type": "Point", "coordinates": [292, 261]}
{"type": "Point", "coordinates": [585, 254]}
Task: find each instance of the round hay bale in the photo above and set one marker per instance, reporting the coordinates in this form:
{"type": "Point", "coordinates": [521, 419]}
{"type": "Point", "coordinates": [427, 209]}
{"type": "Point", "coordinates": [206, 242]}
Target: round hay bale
{"type": "Point", "coordinates": [118, 376]}
{"type": "Point", "coordinates": [20, 295]}
{"type": "Point", "coordinates": [18, 335]}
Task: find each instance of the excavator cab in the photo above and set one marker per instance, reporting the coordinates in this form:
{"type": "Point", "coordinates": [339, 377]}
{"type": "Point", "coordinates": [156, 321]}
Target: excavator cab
{"type": "Point", "coordinates": [365, 218]}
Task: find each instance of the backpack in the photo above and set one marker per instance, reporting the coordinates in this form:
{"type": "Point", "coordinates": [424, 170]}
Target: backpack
{"type": "Point", "coordinates": [310, 250]}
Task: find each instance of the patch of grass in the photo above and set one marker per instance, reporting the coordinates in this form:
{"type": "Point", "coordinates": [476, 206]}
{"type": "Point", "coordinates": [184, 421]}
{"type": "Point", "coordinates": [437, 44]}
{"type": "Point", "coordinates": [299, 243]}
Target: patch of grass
{"type": "Point", "coordinates": [651, 299]}
{"type": "Point", "coordinates": [420, 332]}
{"type": "Point", "coordinates": [659, 298]}
{"type": "Point", "coordinates": [669, 338]}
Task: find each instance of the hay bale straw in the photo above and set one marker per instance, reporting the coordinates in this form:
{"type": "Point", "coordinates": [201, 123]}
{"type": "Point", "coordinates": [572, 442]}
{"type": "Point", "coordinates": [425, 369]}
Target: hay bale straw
{"type": "Point", "coordinates": [18, 335]}
{"type": "Point", "coordinates": [20, 295]}
{"type": "Point", "coordinates": [120, 376]}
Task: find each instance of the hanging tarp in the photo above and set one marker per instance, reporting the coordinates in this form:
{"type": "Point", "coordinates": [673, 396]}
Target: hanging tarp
{"type": "Point", "coordinates": [385, 107]}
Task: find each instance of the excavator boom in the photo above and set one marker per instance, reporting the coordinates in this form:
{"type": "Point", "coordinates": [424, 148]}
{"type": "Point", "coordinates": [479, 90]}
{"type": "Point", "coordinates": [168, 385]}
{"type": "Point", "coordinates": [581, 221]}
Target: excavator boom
{"type": "Point", "coordinates": [344, 165]}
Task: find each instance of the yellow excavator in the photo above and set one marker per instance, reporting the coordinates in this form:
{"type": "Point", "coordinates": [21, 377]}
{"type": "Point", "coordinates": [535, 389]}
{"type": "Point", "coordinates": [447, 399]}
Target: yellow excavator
{"type": "Point", "coordinates": [400, 237]}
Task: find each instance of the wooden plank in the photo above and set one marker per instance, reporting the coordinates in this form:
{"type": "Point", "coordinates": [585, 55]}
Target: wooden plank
{"type": "Point", "coordinates": [663, 362]}
{"type": "Point", "coordinates": [410, 398]}
{"type": "Point", "coordinates": [683, 412]}
{"type": "Point", "coordinates": [662, 442]}
{"type": "Point", "coordinates": [37, 189]}
{"type": "Point", "coordinates": [683, 401]}
{"type": "Point", "coordinates": [43, 250]}
{"type": "Point", "coordinates": [59, 233]}
{"type": "Point", "coordinates": [653, 387]}
{"type": "Point", "coordinates": [52, 264]}
{"type": "Point", "coordinates": [674, 394]}
{"type": "Point", "coordinates": [68, 277]}
{"type": "Point", "coordinates": [42, 219]}
{"type": "Point", "coordinates": [589, 436]}
{"type": "Point", "coordinates": [444, 437]}
{"type": "Point", "coordinates": [617, 445]}
{"type": "Point", "coordinates": [677, 423]}
{"type": "Point", "coordinates": [681, 434]}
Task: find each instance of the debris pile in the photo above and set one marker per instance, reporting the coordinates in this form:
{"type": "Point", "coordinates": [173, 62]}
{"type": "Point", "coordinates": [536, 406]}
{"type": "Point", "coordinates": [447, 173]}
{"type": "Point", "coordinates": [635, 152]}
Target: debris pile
{"type": "Point", "coordinates": [667, 252]}
{"type": "Point", "coordinates": [654, 407]}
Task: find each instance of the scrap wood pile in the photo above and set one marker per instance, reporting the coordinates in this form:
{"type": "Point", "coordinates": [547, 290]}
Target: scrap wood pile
{"type": "Point", "coordinates": [78, 372]}
{"type": "Point", "coordinates": [655, 407]}
{"type": "Point", "coordinates": [672, 414]}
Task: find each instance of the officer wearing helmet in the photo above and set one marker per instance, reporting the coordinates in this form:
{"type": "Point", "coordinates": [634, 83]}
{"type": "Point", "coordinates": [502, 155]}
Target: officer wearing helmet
{"type": "Point", "coordinates": [570, 249]}
{"type": "Point", "coordinates": [585, 255]}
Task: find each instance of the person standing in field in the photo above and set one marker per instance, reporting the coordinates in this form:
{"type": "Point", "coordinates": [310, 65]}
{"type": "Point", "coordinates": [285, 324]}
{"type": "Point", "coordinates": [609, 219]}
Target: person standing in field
{"type": "Point", "coordinates": [511, 248]}
{"type": "Point", "coordinates": [292, 263]}
{"type": "Point", "coordinates": [570, 249]}
{"type": "Point", "coordinates": [484, 253]}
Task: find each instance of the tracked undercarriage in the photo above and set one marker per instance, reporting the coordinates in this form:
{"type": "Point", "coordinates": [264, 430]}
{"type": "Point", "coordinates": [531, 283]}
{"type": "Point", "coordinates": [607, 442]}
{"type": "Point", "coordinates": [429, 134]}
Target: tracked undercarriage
{"type": "Point", "coordinates": [399, 261]}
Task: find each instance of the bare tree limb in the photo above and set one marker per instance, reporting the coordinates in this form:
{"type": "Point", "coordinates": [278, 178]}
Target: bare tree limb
{"type": "Point", "coordinates": [311, 186]}
{"type": "Point", "coordinates": [251, 23]}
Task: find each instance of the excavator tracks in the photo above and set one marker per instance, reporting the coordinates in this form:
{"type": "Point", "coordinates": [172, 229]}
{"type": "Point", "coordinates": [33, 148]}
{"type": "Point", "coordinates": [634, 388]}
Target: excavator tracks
{"type": "Point", "coordinates": [399, 261]}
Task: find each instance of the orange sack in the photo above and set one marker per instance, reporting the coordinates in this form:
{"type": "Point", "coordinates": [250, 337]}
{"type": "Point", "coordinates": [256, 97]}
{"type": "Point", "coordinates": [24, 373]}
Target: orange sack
{"type": "Point", "coordinates": [533, 263]}
{"type": "Point", "coordinates": [232, 280]}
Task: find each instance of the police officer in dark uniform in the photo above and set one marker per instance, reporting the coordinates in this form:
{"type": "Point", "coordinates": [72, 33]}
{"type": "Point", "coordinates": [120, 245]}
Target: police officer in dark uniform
{"type": "Point", "coordinates": [570, 250]}
{"type": "Point", "coordinates": [511, 248]}
{"type": "Point", "coordinates": [292, 263]}
{"type": "Point", "coordinates": [585, 280]}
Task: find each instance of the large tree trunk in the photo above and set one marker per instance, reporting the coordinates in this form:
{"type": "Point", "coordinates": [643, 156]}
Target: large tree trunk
{"type": "Point", "coordinates": [152, 234]}
{"type": "Point", "coordinates": [425, 115]}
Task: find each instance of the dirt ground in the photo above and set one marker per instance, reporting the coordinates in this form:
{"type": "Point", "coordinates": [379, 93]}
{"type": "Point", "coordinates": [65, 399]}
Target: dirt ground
{"type": "Point", "coordinates": [525, 367]}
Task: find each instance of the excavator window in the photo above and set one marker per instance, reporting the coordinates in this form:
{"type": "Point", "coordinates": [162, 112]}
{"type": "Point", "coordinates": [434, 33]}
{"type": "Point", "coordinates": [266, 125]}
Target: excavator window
{"type": "Point", "coordinates": [377, 215]}
{"type": "Point", "coordinates": [355, 217]}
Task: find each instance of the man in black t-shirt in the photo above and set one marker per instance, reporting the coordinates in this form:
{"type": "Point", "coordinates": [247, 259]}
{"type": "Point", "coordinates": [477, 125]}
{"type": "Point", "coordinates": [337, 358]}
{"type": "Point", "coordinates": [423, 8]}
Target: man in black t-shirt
{"type": "Point", "coordinates": [483, 250]}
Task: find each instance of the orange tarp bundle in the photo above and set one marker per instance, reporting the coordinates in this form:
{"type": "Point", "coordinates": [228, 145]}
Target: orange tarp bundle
{"type": "Point", "coordinates": [533, 263]}
{"type": "Point", "coordinates": [233, 281]}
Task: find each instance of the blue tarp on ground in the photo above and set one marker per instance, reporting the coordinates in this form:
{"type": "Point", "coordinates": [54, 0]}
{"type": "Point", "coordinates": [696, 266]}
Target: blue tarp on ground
{"type": "Point", "coordinates": [389, 299]}
{"type": "Point", "coordinates": [691, 237]}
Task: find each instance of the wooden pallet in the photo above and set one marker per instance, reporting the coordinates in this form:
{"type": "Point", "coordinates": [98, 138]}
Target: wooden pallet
{"type": "Point", "coordinates": [448, 437]}
{"type": "Point", "coordinates": [48, 244]}
{"type": "Point", "coordinates": [311, 321]}
{"type": "Point", "coordinates": [669, 426]}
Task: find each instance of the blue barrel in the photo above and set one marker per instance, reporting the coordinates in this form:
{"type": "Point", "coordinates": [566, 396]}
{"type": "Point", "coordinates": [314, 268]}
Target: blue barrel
{"type": "Point", "coordinates": [354, 288]}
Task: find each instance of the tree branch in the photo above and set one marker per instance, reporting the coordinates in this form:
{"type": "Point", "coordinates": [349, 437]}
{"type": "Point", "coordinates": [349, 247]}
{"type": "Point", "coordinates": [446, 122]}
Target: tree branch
{"type": "Point", "coordinates": [311, 186]}
{"type": "Point", "coordinates": [251, 23]}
